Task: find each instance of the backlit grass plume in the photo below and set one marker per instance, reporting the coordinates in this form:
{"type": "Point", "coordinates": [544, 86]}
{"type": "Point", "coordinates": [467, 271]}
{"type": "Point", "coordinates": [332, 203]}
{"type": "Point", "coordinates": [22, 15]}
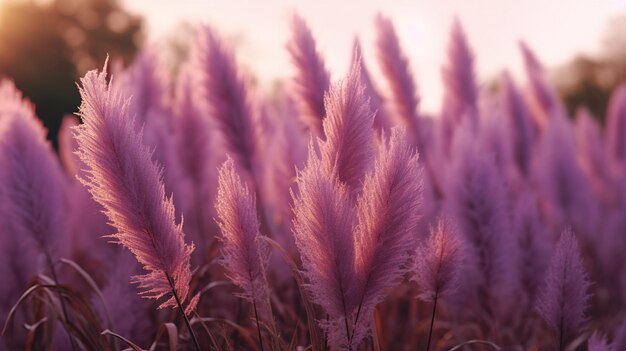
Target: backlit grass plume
{"type": "Point", "coordinates": [226, 96]}
{"type": "Point", "coordinates": [563, 297]}
{"type": "Point", "coordinates": [395, 67]}
{"type": "Point", "coordinates": [388, 211]}
{"type": "Point", "coordinates": [312, 79]}
{"type": "Point", "coordinates": [123, 179]}
{"type": "Point", "coordinates": [242, 255]}
{"type": "Point", "coordinates": [461, 92]}
{"type": "Point", "coordinates": [323, 220]}
{"type": "Point", "coordinates": [349, 147]}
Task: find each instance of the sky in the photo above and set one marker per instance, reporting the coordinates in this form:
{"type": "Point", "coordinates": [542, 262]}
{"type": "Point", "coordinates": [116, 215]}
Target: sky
{"type": "Point", "coordinates": [556, 30]}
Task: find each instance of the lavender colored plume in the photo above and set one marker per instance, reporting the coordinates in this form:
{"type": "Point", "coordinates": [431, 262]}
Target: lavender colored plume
{"type": "Point", "coordinates": [32, 183]}
{"type": "Point", "coordinates": [563, 297]}
{"type": "Point", "coordinates": [395, 67]}
{"type": "Point", "coordinates": [522, 127]}
{"type": "Point", "coordinates": [534, 247]}
{"type": "Point", "coordinates": [312, 79]}
{"type": "Point", "coordinates": [439, 261]}
{"type": "Point", "coordinates": [322, 227]}
{"type": "Point", "coordinates": [388, 211]}
{"type": "Point", "coordinates": [461, 92]}
{"type": "Point", "coordinates": [542, 94]}
{"type": "Point", "coordinates": [128, 184]}
{"type": "Point", "coordinates": [224, 93]}
{"type": "Point", "coordinates": [243, 256]}
{"type": "Point", "coordinates": [478, 204]}
{"type": "Point", "coordinates": [381, 121]}
{"type": "Point", "coordinates": [349, 146]}
{"type": "Point", "coordinates": [598, 342]}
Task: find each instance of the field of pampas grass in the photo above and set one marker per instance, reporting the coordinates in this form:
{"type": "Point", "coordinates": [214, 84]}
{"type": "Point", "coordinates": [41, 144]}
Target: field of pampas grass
{"type": "Point", "coordinates": [196, 212]}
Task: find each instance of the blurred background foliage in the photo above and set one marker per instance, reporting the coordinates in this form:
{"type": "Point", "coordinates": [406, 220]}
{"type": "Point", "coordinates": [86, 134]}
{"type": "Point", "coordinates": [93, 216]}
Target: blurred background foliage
{"type": "Point", "coordinates": [46, 46]}
{"type": "Point", "coordinates": [589, 80]}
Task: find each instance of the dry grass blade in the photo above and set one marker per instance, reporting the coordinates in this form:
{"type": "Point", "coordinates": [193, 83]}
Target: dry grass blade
{"type": "Point", "coordinates": [315, 333]}
{"type": "Point", "coordinates": [119, 337]}
{"type": "Point", "coordinates": [214, 284]}
{"type": "Point", "coordinates": [92, 285]}
{"type": "Point", "coordinates": [33, 329]}
{"type": "Point", "coordinates": [84, 325]}
{"type": "Point", "coordinates": [472, 342]}
{"type": "Point", "coordinates": [172, 334]}
{"type": "Point", "coordinates": [292, 343]}
{"type": "Point", "coordinates": [23, 297]}
{"type": "Point", "coordinates": [241, 330]}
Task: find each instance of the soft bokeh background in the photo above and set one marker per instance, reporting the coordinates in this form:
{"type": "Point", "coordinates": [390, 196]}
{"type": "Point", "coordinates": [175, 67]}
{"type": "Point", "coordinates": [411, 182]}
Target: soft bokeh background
{"type": "Point", "coordinates": [46, 45]}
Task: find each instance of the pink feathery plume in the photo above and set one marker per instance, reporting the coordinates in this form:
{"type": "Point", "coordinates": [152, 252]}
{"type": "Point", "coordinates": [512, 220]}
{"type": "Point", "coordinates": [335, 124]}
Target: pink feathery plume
{"type": "Point", "coordinates": [18, 257]}
{"type": "Point", "coordinates": [128, 184]}
{"type": "Point", "coordinates": [243, 256]}
{"type": "Point", "coordinates": [11, 99]}
{"type": "Point", "coordinates": [129, 313]}
{"type": "Point", "coordinates": [460, 93]}
{"type": "Point", "coordinates": [388, 211]}
{"type": "Point", "coordinates": [322, 228]}
{"type": "Point", "coordinates": [476, 198]}
{"type": "Point", "coordinates": [523, 131]}
{"type": "Point", "coordinates": [195, 147]}
{"type": "Point", "coordinates": [377, 104]}
{"type": "Point", "coordinates": [534, 248]}
{"type": "Point", "coordinates": [561, 181]}
{"type": "Point", "coordinates": [544, 98]}
{"type": "Point", "coordinates": [86, 224]}
{"type": "Point", "coordinates": [312, 80]}
{"type": "Point", "coordinates": [563, 296]}
{"type": "Point", "coordinates": [348, 149]}
{"type": "Point", "coordinates": [18, 265]}
{"type": "Point", "coordinates": [224, 93]}
{"type": "Point", "coordinates": [439, 261]}
{"type": "Point", "coordinates": [32, 183]}
{"type": "Point", "coordinates": [395, 67]}
{"type": "Point", "coordinates": [146, 80]}
{"type": "Point", "coordinates": [616, 124]}
{"type": "Point", "coordinates": [598, 342]}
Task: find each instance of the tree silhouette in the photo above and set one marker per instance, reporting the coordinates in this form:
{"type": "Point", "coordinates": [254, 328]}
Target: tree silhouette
{"type": "Point", "coordinates": [589, 81]}
{"type": "Point", "coordinates": [44, 48]}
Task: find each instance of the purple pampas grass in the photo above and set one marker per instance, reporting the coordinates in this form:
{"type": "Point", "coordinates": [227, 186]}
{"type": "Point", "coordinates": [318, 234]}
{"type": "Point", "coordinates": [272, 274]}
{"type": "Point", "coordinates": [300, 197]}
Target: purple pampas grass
{"type": "Point", "coordinates": [312, 80]}
{"type": "Point", "coordinates": [128, 184]}
{"type": "Point", "coordinates": [224, 93]}
{"type": "Point", "coordinates": [563, 296]}
{"type": "Point", "coordinates": [349, 147]}
{"type": "Point", "coordinates": [438, 262]}
{"type": "Point", "coordinates": [388, 211]}
{"type": "Point", "coordinates": [322, 228]}
{"type": "Point", "coordinates": [243, 256]}
{"type": "Point", "coordinates": [477, 203]}
{"type": "Point", "coordinates": [395, 68]}
{"type": "Point", "coordinates": [523, 131]}
{"type": "Point", "coordinates": [598, 342]}
{"type": "Point", "coordinates": [544, 99]}
{"type": "Point", "coordinates": [461, 92]}
{"type": "Point", "coordinates": [32, 183]}
{"type": "Point", "coordinates": [381, 121]}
